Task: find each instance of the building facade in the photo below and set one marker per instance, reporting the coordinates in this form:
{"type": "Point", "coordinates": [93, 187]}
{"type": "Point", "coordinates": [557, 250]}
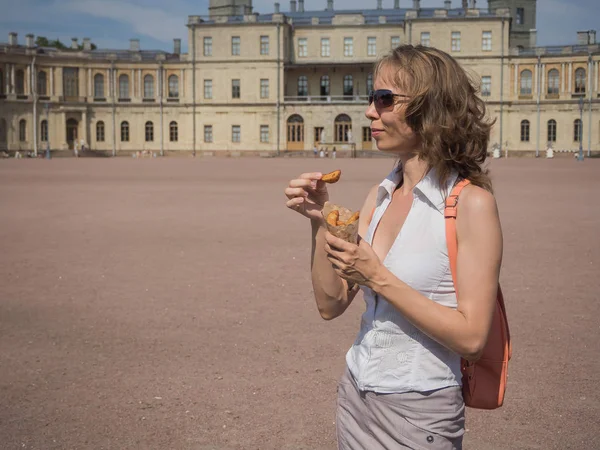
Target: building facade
{"type": "Point", "coordinates": [291, 80]}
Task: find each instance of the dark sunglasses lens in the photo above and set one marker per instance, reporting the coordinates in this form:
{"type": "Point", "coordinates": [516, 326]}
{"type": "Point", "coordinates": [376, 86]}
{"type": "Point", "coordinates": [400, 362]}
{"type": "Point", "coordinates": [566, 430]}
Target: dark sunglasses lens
{"type": "Point", "coordinates": [386, 99]}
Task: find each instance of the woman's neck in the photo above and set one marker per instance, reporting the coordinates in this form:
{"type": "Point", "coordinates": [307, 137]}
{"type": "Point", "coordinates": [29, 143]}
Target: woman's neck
{"type": "Point", "coordinates": [413, 171]}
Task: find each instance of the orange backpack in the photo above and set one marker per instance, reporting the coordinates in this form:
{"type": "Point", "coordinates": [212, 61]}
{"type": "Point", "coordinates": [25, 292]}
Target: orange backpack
{"type": "Point", "coordinates": [484, 381]}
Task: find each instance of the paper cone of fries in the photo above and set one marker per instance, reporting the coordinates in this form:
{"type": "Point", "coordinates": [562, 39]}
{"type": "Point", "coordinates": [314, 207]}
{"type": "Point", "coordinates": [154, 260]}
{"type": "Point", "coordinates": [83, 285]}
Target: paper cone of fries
{"type": "Point", "coordinates": [346, 224]}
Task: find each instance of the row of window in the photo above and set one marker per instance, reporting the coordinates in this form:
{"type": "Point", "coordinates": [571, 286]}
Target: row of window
{"type": "Point", "coordinates": [71, 84]}
{"type": "Point", "coordinates": [553, 85]}
{"type": "Point", "coordinates": [551, 130]}
{"type": "Point", "coordinates": [302, 51]}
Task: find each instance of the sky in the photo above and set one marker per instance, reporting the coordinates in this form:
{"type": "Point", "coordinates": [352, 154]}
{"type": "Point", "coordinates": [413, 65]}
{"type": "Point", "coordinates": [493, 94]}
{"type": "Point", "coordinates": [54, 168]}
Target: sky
{"type": "Point", "coordinates": [111, 23]}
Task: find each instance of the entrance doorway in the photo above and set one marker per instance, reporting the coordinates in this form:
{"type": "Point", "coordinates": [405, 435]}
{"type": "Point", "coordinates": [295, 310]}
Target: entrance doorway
{"type": "Point", "coordinates": [295, 133]}
{"type": "Point", "coordinates": [72, 126]}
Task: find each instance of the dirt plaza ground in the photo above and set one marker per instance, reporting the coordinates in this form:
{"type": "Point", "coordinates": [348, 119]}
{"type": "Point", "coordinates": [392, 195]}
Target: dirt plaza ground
{"type": "Point", "coordinates": [166, 304]}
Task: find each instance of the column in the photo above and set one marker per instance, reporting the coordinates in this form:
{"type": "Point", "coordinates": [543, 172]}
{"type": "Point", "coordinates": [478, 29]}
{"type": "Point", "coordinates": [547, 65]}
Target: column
{"type": "Point", "coordinates": [516, 79]}
{"type": "Point", "coordinates": [133, 83]}
{"type": "Point", "coordinates": [140, 77]}
{"type": "Point", "coordinates": [596, 75]}
{"type": "Point", "coordinates": [85, 134]}
{"type": "Point", "coordinates": [182, 84]}
{"type": "Point", "coordinates": [158, 83]}
{"type": "Point", "coordinates": [12, 79]}
{"type": "Point", "coordinates": [543, 76]}
{"type": "Point", "coordinates": [536, 74]}
{"type": "Point", "coordinates": [90, 93]}
{"type": "Point", "coordinates": [27, 88]}
{"type": "Point", "coordinates": [570, 86]}
{"type": "Point", "coordinates": [562, 78]}
{"type": "Point", "coordinates": [115, 86]}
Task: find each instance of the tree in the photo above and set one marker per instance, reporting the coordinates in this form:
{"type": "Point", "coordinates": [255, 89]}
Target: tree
{"type": "Point", "coordinates": [42, 41]}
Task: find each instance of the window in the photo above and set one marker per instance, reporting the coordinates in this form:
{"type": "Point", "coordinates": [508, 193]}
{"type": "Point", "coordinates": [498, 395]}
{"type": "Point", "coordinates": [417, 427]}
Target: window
{"type": "Point", "coordinates": [456, 41]}
{"type": "Point", "coordinates": [525, 131]}
{"type": "Point", "coordinates": [302, 86]}
{"type": "Point", "coordinates": [98, 85]}
{"type": "Point", "coordinates": [124, 131]}
{"type": "Point", "coordinates": [348, 86]}
{"type": "Point", "coordinates": [235, 45]}
{"type": "Point", "coordinates": [552, 130]}
{"type": "Point", "coordinates": [44, 131]}
{"type": "Point", "coordinates": [207, 46]}
{"type": "Point", "coordinates": [526, 82]}
{"type": "Point", "coordinates": [264, 133]}
{"type": "Point", "coordinates": [343, 125]}
{"type": "Point", "coordinates": [369, 82]}
{"type": "Point", "coordinates": [348, 46]}
{"type": "Point", "coordinates": [325, 85]}
{"type": "Point", "coordinates": [295, 129]}
{"type": "Point", "coordinates": [264, 45]}
{"type": "Point", "coordinates": [366, 134]}
{"type": "Point", "coordinates": [318, 133]}
{"type": "Point", "coordinates": [395, 41]}
{"type": "Point", "coordinates": [71, 82]}
{"type": "Point", "coordinates": [371, 46]}
{"type": "Point", "coordinates": [100, 131]}
{"type": "Point", "coordinates": [124, 86]}
{"type": "Point", "coordinates": [236, 132]}
{"type": "Point", "coordinates": [302, 47]}
{"type": "Point", "coordinates": [22, 130]}
{"type": "Point", "coordinates": [486, 41]}
{"type": "Point", "coordinates": [577, 130]}
{"type": "Point", "coordinates": [520, 19]}
{"type": "Point", "coordinates": [264, 88]}
{"type": "Point", "coordinates": [149, 132]}
{"type": "Point", "coordinates": [208, 89]}
{"type": "Point", "coordinates": [208, 134]}
{"type": "Point", "coordinates": [325, 47]}
{"type": "Point", "coordinates": [148, 86]}
{"type": "Point", "coordinates": [425, 39]}
{"type": "Point", "coordinates": [235, 88]}
{"type": "Point", "coordinates": [173, 86]}
{"type": "Point", "coordinates": [486, 86]}
{"type": "Point", "coordinates": [580, 81]}
{"type": "Point", "coordinates": [173, 132]}
{"type": "Point", "coordinates": [42, 84]}
{"type": "Point", "coordinates": [19, 82]}
{"type": "Point", "coordinates": [553, 82]}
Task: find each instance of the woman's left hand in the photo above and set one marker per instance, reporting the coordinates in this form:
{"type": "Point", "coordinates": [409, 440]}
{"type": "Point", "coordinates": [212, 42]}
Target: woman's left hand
{"type": "Point", "coordinates": [354, 263]}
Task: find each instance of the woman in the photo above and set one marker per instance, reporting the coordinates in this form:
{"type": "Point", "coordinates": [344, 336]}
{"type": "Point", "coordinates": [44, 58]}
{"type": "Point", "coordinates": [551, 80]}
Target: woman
{"type": "Point", "coordinates": [402, 386]}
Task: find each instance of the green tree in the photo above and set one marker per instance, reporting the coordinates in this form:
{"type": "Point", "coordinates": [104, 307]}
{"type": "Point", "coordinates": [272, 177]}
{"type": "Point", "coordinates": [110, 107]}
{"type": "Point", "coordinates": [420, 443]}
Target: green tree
{"type": "Point", "coordinates": [42, 41]}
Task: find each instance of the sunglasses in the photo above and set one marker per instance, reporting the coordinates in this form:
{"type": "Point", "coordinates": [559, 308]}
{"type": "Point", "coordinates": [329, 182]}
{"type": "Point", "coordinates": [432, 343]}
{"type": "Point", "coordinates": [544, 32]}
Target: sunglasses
{"type": "Point", "coordinates": [383, 98]}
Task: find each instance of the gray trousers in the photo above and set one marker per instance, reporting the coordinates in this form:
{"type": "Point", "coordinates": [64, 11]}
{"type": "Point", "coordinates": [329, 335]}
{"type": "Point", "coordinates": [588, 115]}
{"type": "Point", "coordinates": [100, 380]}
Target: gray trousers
{"type": "Point", "coordinates": [417, 420]}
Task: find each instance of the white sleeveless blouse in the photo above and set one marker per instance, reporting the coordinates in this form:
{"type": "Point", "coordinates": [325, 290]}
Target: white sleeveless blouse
{"type": "Point", "coordinates": [390, 355]}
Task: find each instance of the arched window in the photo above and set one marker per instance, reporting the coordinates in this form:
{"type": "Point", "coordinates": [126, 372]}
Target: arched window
{"type": "Point", "coordinates": [19, 82]}
{"type": "Point", "coordinates": [173, 86]}
{"type": "Point", "coordinates": [580, 81]}
{"type": "Point", "coordinates": [100, 131]}
{"type": "Point", "coordinates": [343, 128]}
{"type": "Point", "coordinates": [302, 86]}
{"type": "Point", "coordinates": [148, 86]}
{"type": "Point", "coordinates": [348, 86]}
{"type": "Point", "coordinates": [553, 82]}
{"type": "Point", "coordinates": [42, 84]}
{"type": "Point", "coordinates": [577, 130]}
{"type": "Point", "coordinates": [149, 131]}
{"type": "Point", "coordinates": [124, 87]}
{"type": "Point", "coordinates": [325, 85]}
{"type": "Point", "coordinates": [525, 131]}
{"type": "Point", "coordinates": [173, 132]}
{"type": "Point", "coordinates": [22, 130]}
{"type": "Point", "coordinates": [124, 131]}
{"type": "Point", "coordinates": [295, 128]}
{"type": "Point", "coordinates": [44, 131]}
{"type": "Point", "coordinates": [369, 83]}
{"type": "Point", "coordinates": [552, 130]}
{"type": "Point", "coordinates": [526, 82]}
{"type": "Point", "coordinates": [98, 85]}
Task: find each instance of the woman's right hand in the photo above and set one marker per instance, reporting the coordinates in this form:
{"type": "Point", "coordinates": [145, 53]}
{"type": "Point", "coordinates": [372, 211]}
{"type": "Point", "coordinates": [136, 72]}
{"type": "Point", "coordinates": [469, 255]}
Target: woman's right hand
{"type": "Point", "coordinates": [307, 195]}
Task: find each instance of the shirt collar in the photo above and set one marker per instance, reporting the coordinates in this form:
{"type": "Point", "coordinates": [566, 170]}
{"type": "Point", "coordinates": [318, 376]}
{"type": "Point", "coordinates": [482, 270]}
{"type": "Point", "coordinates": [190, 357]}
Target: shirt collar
{"type": "Point", "coordinates": [429, 187]}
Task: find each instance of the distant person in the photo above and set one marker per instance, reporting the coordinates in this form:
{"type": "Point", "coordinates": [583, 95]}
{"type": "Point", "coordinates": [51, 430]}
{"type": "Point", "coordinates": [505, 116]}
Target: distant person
{"type": "Point", "coordinates": [333, 153]}
{"type": "Point", "coordinates": [402, 383]}
{"type": "Point", "coordinates": [322, 153]}
{"type": "Point", "coordinates": [315, 151]}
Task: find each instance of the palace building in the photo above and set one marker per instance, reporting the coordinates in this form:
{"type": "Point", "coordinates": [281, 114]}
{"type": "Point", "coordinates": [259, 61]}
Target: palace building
{"type": "Point", "coordinates": [288, 80]}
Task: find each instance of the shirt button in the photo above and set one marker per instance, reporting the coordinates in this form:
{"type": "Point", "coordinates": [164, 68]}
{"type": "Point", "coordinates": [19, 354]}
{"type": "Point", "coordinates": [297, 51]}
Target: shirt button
{"type": "Point", "coordinates": [430, 439]}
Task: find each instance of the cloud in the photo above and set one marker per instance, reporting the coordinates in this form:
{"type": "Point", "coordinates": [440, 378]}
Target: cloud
{"type": "Point", "coordinates": [155, 22]}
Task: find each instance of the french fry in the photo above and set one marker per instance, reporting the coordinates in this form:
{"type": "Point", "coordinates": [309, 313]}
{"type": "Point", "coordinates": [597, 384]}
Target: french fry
{"type": "Point", "coordinates": [353, 219]}
{"type": "Point", "coordinates": [332, 218]}
{"type": "Point", "coordinates": [332, 177]}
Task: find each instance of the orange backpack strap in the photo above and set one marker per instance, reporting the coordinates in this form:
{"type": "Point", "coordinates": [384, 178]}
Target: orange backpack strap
{"type": "Point", "coordinates": [450, 216]}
